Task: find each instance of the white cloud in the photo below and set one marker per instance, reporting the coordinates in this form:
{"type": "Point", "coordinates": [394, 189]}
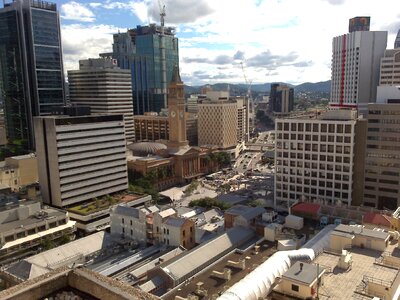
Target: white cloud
{"type": "Point", "coordinates": [264, 32]}
{"type": "Point", "coordinates": [95, 4]}
{"type": "Point", "coordinates": [85, 41]}
{"type": "Point", "coordinates": [76, 12]}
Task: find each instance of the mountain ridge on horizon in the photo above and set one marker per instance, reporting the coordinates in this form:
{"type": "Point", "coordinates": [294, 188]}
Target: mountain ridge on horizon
{"type": "Point", "coordinates": [321, 87]}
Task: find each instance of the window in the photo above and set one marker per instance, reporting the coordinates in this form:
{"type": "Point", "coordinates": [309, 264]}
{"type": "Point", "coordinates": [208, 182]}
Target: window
{"type": "Point", "coordinates": [295, 288]}
{"type": "Point", "coordinates": [123, 221]}
{"type": "Point", "coordinates": [131, 232]}
{"type": "Point", "coordinates": [184, 233]}
{"type": "Point", "coordinates": [131, 222]}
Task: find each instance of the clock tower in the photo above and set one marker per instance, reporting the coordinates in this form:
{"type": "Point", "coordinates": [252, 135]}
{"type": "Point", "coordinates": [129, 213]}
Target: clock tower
{"type": "Point", "coordinates": [176, 113]}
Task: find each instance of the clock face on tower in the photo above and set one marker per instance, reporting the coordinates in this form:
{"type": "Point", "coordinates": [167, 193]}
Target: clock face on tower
{"type": "Point", "coordinates": [173, 114]}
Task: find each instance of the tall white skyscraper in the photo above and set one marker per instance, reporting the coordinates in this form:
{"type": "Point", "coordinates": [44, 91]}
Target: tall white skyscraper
{"type": "Point", "coordinates": [355, 68]}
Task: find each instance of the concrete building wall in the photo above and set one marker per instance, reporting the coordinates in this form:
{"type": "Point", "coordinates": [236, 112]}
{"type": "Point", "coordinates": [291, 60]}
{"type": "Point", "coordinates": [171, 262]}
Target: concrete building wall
{"type": "Point", "coordinates": [315, 159]}
{"type": "Point", "coordinates": [359, 162]}
{"type": "Point", "coordinates": [130, 227]}
{"type": "Point", "coordinates": [19, 171]}
{"type": "Point", "coordinates": [382, 162]}
{"type": "Point", "coordinates": [80, 158]}
{"type": "Point", "coordinates": [304, 291]}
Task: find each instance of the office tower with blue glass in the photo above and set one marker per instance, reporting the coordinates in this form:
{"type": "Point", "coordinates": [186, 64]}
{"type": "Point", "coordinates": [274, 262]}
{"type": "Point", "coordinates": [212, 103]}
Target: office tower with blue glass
{"type": "Point", "coordinates": [31, 68]}
{"type": "Point", "coordinates": [147, 51]}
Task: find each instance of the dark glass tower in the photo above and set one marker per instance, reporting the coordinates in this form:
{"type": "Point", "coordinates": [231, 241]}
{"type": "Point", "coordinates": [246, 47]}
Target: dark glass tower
{"type": "Point", "coordinates": [140, 50]}
{"type": "Point", "coordinates": [32, 78]}
{"type": "Point", "coordinates": [397, 41]}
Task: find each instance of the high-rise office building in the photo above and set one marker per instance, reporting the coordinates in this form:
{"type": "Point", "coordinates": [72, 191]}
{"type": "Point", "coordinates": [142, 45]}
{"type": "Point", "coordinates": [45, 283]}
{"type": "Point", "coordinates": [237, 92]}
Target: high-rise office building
{"type": "Point", "coordinates": [315, 158]}
{"type": "Point", "coordinates": [80, 157]}
{"type": "Point", "coordinates": [355, 68]}
{"type": "Point", "coordinates": [382, 162]}
{"type": "Point", "coordinates": [105, 88]}
{"type": "Point", "coordinates": [281, 99]}
{"type": "Point", "coordinates": [141, 50]}
{"type": "Point", "coordinates": [390, 68]}
{"type": "Point", "coordinates": [32, 77]}
{"type": "Point", "coordinates": [397, 41]}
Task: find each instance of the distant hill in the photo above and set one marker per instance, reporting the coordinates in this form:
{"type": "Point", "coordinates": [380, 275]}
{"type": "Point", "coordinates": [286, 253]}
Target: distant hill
{"type": "Point", "coordinates": [322, 87]}
{"type": "Point", "coordinates": [240, 89]}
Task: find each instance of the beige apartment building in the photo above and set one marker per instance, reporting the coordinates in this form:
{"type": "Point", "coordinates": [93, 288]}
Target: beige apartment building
{"type": "Point", "coordinates": [218, 123]}
{"type": "Point", "coordinates": [19, 171]}
{"type": "Point", "coordinates": [382, 166]}
{"type": "Point", "coordinates": [315, 159]}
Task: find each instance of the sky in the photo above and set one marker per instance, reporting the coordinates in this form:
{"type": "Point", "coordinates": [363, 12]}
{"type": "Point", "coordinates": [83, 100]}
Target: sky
{"type": "Point", "coordinates": [275, 40]}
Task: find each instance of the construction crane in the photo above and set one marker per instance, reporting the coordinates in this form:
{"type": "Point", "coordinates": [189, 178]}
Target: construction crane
{"type": "Point", "coordinates": [249, 96]}
{"type": "Point", "coordinates": [164, 92]}
{"type": "Point", "coordinates": [161, 6]}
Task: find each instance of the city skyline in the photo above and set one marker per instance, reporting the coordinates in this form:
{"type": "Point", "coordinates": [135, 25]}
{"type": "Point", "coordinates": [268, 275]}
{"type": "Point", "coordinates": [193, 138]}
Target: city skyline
{"type": "Point", "coordinates": [214, 37]}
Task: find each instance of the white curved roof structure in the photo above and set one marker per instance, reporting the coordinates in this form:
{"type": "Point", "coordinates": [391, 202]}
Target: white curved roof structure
{"type": "Point", "coordinates": [259, 282]}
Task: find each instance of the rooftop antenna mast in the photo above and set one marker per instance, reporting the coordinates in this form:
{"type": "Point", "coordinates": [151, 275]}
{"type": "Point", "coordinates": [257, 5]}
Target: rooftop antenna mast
{"type": "Point", "coordinates": [250, 99]}
{"type": "Point", "coordinates": [164, 91]}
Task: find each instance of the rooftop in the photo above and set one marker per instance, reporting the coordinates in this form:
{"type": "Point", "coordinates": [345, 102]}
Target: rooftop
{"type": "Point", "coordinates": [215, 286]}
{"type": "Point", "coordinates": [377, 219]}
{"type": "Point", "coordinates": [66, 254]}
{"type": "Point", "coordinates": [246, 212]}
{"type": "Point", "coordinates": [166, 213]}
{"type": "Point", "coordinates": [303, 273]}
{"type": "Point", "coordinates": [202, 255]}
{"type": "Point", "coordinates": [81, 280]}
{"type": "Point", "coordinates": [47, 214]}
{"type": "Point", "coordinates": [360, 230]}
{"type": "Point", "coordinates": [103, 203]}
{"type": "Point", "coordinates": [126, 211]}
{"type": "Point", "coordinates": [342, 284]}
{"type": "Point", "coordinates": [175, 222]}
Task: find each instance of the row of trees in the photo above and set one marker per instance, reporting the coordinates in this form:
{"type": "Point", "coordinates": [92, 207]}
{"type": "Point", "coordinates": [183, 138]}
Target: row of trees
{"type": "Point", "coordinates": [208, 203]}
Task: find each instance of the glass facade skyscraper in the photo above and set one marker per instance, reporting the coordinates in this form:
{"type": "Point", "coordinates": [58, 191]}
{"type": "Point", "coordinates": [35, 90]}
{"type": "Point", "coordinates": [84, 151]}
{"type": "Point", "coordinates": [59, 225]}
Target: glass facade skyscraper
{"type": "Point", "coordinates": [32, 78]}
{"type": "Point", "coordinates": [140, 50]}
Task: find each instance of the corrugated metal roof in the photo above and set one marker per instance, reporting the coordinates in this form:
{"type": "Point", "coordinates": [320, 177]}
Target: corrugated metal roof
{"type": "Point", "coordinates": [203, 254]}
{"type": "Point", "coordinates": [46, 261]}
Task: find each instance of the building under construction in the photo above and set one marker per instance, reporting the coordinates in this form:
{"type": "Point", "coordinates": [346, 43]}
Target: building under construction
{"type": "Point", "coordinates": [147, 51]}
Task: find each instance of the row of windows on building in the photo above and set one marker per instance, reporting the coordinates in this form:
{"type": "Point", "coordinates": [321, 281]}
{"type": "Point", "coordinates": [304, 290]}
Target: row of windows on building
{"type": "Point", "coordinates": [315, 157]}
{"type": "Point", "coordinates": [315, 127]}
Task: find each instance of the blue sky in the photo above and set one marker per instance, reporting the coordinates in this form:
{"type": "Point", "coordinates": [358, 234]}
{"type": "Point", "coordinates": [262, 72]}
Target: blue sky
{"type": "Point", "coordinates": [277, 40]}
